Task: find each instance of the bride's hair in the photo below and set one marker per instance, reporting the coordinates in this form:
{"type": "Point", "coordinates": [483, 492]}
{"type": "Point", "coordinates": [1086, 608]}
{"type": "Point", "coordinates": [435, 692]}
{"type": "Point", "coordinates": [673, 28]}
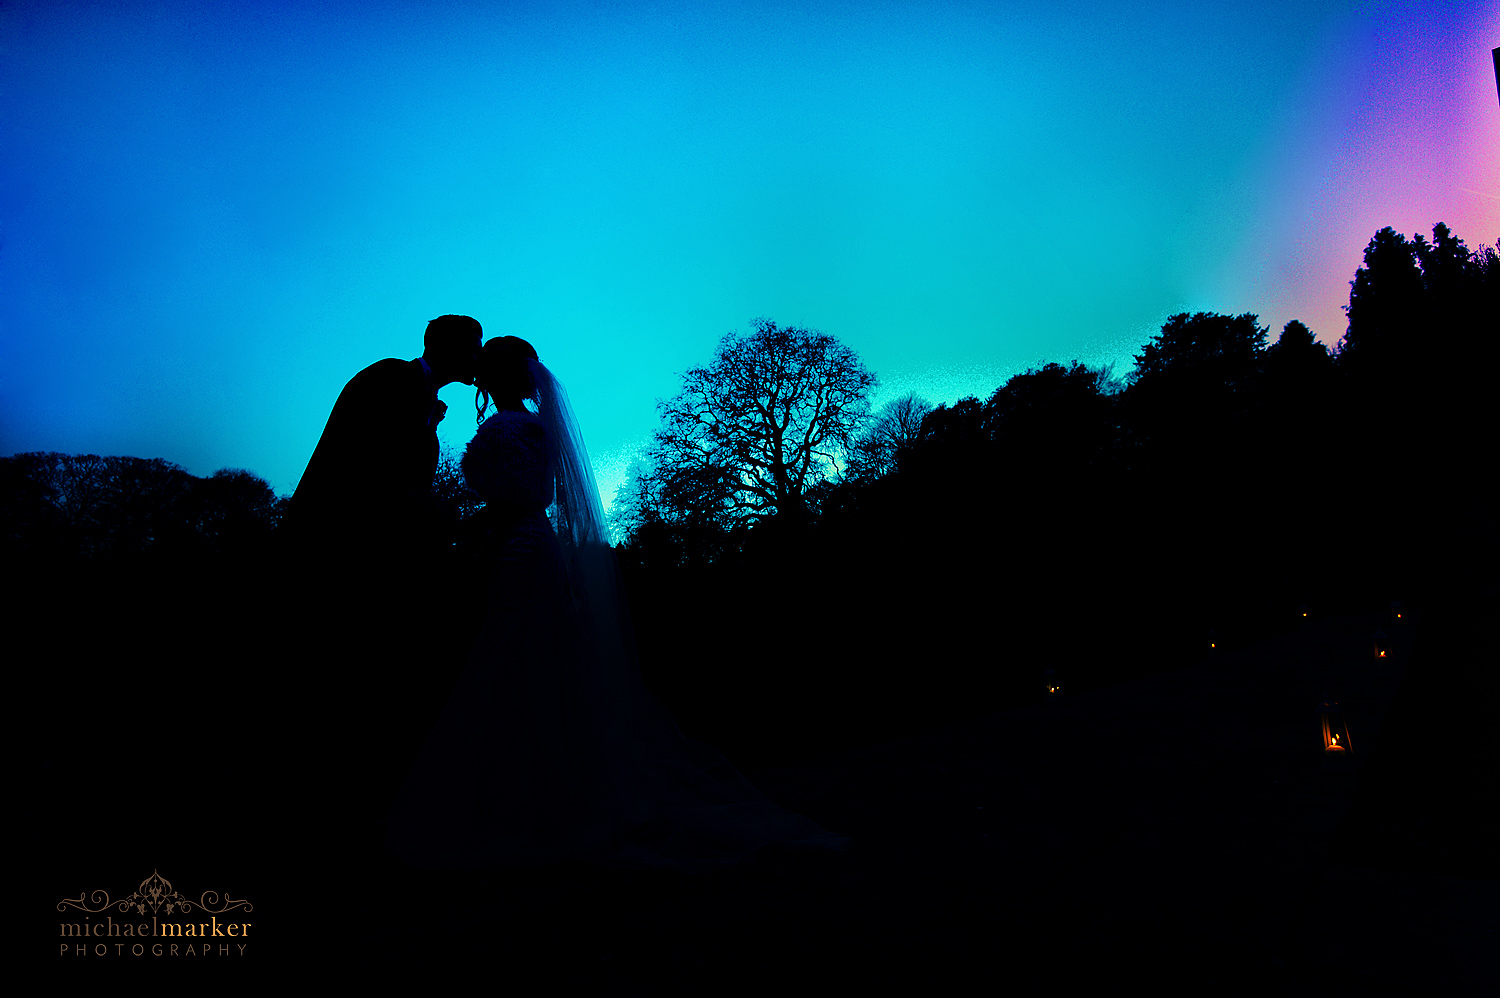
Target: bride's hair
{"type": "Point", "coordinates": [503, 373]}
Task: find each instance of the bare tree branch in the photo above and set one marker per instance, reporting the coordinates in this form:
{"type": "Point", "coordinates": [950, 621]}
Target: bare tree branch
{"type": "Point", "coordinates": [750, 434]}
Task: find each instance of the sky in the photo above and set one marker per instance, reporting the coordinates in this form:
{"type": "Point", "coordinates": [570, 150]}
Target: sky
{"type": "Point", "coordinates": [212, 215]}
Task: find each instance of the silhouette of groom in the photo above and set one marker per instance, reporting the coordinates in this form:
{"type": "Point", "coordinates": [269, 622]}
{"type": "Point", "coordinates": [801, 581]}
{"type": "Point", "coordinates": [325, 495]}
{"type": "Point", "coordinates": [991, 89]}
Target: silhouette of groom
{"type": "Point", "coordinates": [368, 482]}
{"type": "Point", "coordinates": [363, 544]}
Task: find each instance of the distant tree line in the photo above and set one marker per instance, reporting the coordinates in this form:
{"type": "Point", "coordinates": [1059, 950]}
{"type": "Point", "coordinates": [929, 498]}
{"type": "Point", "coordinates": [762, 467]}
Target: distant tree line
{"type": "Point", "coordinates": [1098, 524]}
{"type": "Point", "coordinates": [85, 506]}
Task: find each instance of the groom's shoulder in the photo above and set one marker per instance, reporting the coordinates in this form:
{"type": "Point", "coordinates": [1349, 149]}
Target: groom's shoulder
{"type": "Point", "coordinates": [390, 372]}
{"type": "Point", "coordinates": [393, 367]}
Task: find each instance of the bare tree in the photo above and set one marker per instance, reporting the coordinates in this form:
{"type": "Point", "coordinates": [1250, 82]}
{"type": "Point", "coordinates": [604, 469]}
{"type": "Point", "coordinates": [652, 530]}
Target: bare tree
{"type": "Point", "coordinates": [771, 416]}
{"type": "Point", "coordinates": [890, 435]}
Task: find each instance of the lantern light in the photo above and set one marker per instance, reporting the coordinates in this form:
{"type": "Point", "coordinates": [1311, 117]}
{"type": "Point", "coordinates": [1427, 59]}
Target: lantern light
{"type": "Point", "coordinates": [1051, 685]}
{"type": "Point", "coordinates": [1213, 640]}
{"type": "Point", "coordinates": [1337, 746]}
{"type": "Point", "coordinates": [1385, 655]}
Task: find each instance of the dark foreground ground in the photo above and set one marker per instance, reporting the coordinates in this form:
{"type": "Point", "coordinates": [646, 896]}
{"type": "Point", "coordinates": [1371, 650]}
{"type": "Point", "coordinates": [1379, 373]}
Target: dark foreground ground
{"type": "Point", "coordinates": [1177, 833]}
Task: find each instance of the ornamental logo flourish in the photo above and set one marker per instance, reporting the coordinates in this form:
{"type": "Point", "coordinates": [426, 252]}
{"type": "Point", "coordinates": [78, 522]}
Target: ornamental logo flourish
{"type": "Point", "coordinates": [156, 894]}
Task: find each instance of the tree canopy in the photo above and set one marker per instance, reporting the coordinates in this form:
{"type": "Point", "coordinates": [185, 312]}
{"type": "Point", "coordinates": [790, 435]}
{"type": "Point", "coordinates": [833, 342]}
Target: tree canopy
{"type": "Point", "coordinates": [750, 434]}
{"type": "Point", "coordinates": [890, 436]}
{"type": "Point", "coordinates": [1220, 350]}
{"type": "Point", "coordinates": [84, 504]}
{"type": "Point", "coordinates": [1407, 290]}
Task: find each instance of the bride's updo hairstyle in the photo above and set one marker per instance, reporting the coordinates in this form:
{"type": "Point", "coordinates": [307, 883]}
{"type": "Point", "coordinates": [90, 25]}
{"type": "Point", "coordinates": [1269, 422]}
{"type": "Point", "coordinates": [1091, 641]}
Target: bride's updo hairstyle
{"type": "Point", "coordinates": [502, 375]}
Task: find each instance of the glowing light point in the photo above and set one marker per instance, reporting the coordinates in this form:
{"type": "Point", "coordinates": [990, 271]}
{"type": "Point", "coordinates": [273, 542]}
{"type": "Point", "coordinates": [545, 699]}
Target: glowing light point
{"type": "Point", "coordinates": [1336, 741]}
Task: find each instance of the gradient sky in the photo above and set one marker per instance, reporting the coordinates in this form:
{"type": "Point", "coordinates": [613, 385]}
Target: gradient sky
{"type": "Point", "coordinates": [215, 214]}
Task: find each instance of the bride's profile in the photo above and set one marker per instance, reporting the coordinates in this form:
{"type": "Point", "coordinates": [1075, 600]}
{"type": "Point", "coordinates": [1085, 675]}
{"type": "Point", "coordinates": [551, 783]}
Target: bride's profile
{"type": "Point", "coordinates": [550, 748]}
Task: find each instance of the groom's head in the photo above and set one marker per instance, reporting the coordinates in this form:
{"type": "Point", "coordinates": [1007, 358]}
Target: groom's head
{"type": "Point", "coordinates": [451, 348]}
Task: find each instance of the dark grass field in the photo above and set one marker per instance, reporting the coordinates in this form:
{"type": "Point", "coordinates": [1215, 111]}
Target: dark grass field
{"type": "Point", "coordinates": [1178, 832]}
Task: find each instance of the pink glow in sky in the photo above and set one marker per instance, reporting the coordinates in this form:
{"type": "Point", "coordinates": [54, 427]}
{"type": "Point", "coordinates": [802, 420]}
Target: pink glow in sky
{"type": "Point", "coordinates": [1414, 139]}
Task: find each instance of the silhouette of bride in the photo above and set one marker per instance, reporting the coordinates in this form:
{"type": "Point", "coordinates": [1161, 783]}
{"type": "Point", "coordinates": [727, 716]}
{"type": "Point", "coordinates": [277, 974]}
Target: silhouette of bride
{"type": "Point", "coordinates": [550, 748]}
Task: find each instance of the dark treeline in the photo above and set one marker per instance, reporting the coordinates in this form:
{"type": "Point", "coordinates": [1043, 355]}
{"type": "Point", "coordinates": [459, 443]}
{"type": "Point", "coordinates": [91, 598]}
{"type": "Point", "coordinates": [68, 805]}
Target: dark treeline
{"type": "Point", "coordinates": [1100, 526]}
{"type": "Point", "coordinates": [86, 507]}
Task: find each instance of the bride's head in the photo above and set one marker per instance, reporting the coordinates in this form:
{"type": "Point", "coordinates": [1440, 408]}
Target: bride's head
{"type": "Point", "coordinates": [503, 377]}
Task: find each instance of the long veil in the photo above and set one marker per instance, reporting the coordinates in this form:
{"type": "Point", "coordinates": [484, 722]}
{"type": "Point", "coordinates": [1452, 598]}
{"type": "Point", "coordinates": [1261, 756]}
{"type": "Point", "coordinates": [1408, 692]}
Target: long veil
{"type": "Point", "coordinates": [700, 810]}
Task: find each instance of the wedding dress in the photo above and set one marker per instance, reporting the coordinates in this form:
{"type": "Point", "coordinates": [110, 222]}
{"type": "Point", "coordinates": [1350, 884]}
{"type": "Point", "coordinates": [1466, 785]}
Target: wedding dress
{"type": "Point", "coordinates": [550, 747]}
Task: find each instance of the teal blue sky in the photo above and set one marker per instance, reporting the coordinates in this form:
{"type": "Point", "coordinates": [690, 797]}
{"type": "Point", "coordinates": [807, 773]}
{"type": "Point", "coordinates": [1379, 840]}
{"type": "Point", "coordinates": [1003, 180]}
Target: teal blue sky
{"type": "Point", "coordinates": [214, 215]}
